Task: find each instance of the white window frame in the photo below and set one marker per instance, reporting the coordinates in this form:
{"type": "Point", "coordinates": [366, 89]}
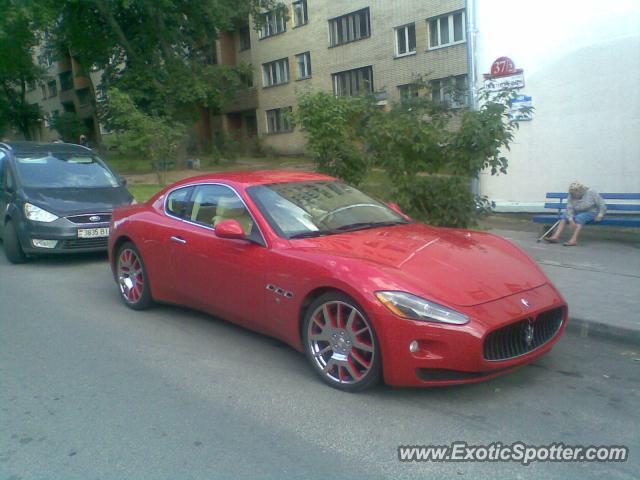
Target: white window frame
{"type": "Point", "coordinates": [306, 62]}
{"type": "Point", "coordinates": [449, 17]}
{"type": "Point", "coordinates": [280, 122]}
{"type": "Point", "coordinates": [406, 39]}
{"type": "Point", "coordinates": [275, 23]}
{"type": "Point", "coordinates": [275, 72]}
{"type": "Point", "coordinates": [295, 7]}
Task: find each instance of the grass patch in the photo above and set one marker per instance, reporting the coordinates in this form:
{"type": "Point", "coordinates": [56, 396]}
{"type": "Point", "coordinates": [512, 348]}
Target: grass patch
{"type": "Point", "coordinates": [377, 184]}
{"type": "Point", "coordinates": [143, 192]}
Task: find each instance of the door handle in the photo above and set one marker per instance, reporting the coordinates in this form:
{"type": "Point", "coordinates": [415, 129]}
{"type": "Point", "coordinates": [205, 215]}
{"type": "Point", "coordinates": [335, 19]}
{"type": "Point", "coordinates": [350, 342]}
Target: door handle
{"type": "Point", "coordinates": [178, 240]}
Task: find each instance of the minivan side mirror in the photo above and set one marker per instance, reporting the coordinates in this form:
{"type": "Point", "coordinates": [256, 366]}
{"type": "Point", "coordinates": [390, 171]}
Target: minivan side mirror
{"type": "Point", "coordinates": [123, 181]}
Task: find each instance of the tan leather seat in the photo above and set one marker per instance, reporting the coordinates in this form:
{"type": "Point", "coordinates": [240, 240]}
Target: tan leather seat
{"type": "Point", "coordinates": [232, 208]}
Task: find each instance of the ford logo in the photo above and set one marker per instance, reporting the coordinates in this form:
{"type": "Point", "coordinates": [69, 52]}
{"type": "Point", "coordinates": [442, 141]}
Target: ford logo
{"type": "Point", "coordinates": [94, 218]}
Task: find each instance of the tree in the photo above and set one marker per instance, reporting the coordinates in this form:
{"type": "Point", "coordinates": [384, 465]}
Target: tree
{"type": "Point", "coordinates": [160, 52]}
{"type": "Point", "coordinates": [19, 24]}
{"type": "Point", "coordinates": [429, 151]}
{"type": "Point", "coordinates": [135, 132]}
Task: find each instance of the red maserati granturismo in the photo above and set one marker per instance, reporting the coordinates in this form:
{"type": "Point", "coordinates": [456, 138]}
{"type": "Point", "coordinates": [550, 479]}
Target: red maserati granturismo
{"type": "Point", "coordinates": [363, 290]}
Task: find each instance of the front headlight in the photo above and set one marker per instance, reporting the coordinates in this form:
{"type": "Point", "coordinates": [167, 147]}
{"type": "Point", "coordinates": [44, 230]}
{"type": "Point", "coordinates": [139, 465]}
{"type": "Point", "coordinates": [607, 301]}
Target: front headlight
{"type": "Point", "coordinates": [410, 306]}
{"type": "Point", "coordinates": [37, 214]}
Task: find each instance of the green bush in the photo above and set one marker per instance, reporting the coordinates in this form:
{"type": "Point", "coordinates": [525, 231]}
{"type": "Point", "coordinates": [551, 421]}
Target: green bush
{"type": "Point", "coordinates": [333, 132]}
{"type": "Point", "coordinates": [438, 200]}
{"type": "Point", "coordinates": [69, 126]}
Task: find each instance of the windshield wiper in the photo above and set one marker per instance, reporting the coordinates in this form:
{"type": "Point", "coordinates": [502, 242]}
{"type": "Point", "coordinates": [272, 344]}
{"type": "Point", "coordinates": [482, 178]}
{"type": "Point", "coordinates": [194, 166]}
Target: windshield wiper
{"type": "Point", "coordinates": [311, 234]}
{"type": "Point", "coordinates": [364, 225]}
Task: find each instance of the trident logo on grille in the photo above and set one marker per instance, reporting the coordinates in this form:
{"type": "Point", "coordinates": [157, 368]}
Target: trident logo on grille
{"type": "Point", "coordinates": [528, 333]}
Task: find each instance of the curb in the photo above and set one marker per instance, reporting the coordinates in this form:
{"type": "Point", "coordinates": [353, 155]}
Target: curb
{"type": "Point", "coordinates": [590, 328]}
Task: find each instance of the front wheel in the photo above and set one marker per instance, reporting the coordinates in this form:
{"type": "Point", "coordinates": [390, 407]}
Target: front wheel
{"type": "Point", "coordinates": [12, 248]}
{"type": "Point", "coordinates": [341, 344]}
{"type": "Point", "coordinates": [132, 278]}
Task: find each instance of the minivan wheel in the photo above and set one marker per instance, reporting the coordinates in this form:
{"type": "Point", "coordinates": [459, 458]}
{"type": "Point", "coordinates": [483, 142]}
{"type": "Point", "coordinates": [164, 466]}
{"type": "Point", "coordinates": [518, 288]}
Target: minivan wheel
{"type": "Point", "coordinates": [12, 248]}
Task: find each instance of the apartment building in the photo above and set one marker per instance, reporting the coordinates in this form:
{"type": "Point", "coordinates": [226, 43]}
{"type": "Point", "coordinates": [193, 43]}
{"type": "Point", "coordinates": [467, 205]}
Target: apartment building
{"type": "Point", "coordinates": [345, 47]}
{"type": "Point", "coordinates": [66, 87]}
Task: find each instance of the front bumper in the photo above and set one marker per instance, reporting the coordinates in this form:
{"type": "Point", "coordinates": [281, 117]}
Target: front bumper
{"type": "Point", "coordinates": [64, 232]}
{"type": "Point", "coordinates": [454, 354]}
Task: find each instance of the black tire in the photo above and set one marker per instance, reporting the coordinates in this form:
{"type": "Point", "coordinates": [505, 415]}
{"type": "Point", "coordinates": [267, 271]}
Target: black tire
{"type": "Point", "coordinates": [12, 248]}
{"type": "Point", "coordinates": [133, 297]}
{"type": "Point", "coordinates": [343, 365]}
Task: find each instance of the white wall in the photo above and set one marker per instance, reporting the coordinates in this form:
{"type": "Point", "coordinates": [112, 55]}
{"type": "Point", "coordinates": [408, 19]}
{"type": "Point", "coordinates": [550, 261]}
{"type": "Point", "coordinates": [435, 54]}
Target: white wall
{"type": "Point", "coordinates": [581, 62]}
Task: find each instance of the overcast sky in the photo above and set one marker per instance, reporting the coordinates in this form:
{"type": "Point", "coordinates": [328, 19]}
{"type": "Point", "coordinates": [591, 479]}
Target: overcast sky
{"type": "Point", "coordinates": [532, 32]}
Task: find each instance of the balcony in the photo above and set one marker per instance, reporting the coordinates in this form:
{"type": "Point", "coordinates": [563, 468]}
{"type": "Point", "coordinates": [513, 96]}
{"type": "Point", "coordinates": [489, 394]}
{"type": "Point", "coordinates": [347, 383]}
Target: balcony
{"type": "Point", "coordinates": [244, 100]}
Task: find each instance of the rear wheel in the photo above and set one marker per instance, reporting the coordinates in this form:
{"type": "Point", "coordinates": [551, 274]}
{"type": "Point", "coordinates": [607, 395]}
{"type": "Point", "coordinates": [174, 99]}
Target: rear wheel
{"type": "Point", "coordinates": [132, 278]}
{"type": "Point", "coordinates": [12, 248]}
{"type": "Point", "coordinates": [341, 344]}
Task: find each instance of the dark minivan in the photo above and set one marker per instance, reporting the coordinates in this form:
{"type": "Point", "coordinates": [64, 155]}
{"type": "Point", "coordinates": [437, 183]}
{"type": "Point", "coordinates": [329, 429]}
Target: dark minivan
{"type": "Point", "coordinates": [55, 198]}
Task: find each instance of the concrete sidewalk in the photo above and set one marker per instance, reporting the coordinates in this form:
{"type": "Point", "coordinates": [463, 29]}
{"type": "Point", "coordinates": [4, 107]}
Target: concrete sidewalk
{"type": "Point", "coordinates": [600, 279]}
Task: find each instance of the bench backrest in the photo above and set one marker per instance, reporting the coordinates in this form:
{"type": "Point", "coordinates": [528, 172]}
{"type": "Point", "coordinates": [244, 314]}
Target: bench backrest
{"type": "Point", "coordinates": [561, 204]}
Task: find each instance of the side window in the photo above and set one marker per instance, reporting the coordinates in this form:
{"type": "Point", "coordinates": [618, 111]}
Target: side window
{"type": "Point", "coordinates": [213, 204]}
{"type": "Point", "coordinates": [179, 203]}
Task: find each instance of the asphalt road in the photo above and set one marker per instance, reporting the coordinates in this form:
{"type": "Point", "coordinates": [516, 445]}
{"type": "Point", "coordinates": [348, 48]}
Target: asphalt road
{"type": "Point", "coordinates": [90, 389]}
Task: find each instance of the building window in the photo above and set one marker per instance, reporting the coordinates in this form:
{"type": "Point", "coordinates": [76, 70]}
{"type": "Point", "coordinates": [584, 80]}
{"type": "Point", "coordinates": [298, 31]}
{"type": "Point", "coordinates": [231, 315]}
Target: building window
{"type": "Point", "coordinates": [274, 23]}
{"type": "Point", "coordinates": [53, 88]}
{"type": "Point", "coordinates": [245, 38]}
{"type": "Point", "coordinates": [303, 61]}
{"type": "Point", "coordinates": [446, 29]}
{"type": "Point", "coordinates": [353, 82]}
{"type": "Point", "coordinates": [406, 40]}
{"type": "Point", "coordinates": [66, 81]}
{"type": "Point", "coordinates": [275, 73]}
{"type": "Point", "coordinates": [408, 91]}
{"type": "Point", "coordinates": [300, 16]}
{"type": "Point", "coordinates": [349, 28]}
{"type": "Point", "coordinates": [278, 120]}
{"type": "Point", "coordinates": [43, 88]}
{"type": "Point", "coordinates": [84, 96]}
{"type": "Point", "coordinates": [31, 86]}
{"type": "Point", "coordinates": [451, 91]}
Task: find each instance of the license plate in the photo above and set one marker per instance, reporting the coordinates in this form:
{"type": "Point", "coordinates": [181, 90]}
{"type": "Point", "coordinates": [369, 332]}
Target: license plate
{"type": "Point", "coordinates": [93, 232]}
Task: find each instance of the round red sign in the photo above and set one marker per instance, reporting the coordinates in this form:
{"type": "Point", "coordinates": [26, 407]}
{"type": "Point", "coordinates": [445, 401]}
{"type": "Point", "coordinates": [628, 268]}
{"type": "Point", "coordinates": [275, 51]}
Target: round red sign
{"type": "Point", "coordinates": [503, 66]}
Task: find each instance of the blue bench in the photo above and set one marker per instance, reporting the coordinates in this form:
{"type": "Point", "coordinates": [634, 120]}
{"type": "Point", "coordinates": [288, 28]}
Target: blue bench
{"type": "Point", "coordinates": [630, 219]}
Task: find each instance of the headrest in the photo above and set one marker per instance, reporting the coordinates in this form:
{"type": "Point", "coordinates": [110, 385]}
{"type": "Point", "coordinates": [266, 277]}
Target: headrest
{"type": "Point", "coordinates": [230, 207]}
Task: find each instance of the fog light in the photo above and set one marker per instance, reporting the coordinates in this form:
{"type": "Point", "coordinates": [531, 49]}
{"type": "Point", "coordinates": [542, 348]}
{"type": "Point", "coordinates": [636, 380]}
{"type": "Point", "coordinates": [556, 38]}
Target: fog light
{"type": "Point", "coordinates": [44, 243]}
{"type": "Point", "coordinates": [413, 346]}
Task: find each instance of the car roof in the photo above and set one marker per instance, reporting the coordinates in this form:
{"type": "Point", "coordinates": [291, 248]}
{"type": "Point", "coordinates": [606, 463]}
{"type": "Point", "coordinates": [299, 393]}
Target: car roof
{"type": "Point", "coordinates": [257, 177]}
{"type": "Point", "coordinates": [28, 148]}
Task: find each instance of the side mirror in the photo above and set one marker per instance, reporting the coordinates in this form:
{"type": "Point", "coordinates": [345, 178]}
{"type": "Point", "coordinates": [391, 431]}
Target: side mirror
{"type": "Point", "coordinates": [123, 181]}
{"type": "Point", "coordinates": [395, 207]}
{"type": "Point", "coordinates": [230, 229]}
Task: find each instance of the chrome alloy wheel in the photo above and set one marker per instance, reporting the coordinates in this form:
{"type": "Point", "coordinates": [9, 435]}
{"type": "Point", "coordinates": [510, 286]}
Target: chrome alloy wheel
{"type": "Point", "coordinates": [341, 342]}
{"type": "Point", "coordinates": [130, 276]}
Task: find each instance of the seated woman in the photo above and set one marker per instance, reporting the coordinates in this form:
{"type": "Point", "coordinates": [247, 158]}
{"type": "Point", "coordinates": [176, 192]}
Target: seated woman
{"type": "Point", "coordinates": [583, 206]}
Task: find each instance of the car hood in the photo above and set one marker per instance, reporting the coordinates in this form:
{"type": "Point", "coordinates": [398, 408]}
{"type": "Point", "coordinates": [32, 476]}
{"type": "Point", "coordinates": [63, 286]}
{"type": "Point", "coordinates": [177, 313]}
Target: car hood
{"type": "Point", "coordinates": [71, 201]}
{"type": "Point", "coordinates": [457, 267]}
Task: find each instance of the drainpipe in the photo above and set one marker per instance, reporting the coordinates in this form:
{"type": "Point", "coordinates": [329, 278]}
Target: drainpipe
{"type": "Point", "coordinates": [472, 74]}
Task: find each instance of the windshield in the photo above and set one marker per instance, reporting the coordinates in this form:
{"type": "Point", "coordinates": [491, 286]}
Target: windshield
{"type": "Point", "coordinates": [309, 209]}
{"type": "Point", "coordinates": [63, 171]}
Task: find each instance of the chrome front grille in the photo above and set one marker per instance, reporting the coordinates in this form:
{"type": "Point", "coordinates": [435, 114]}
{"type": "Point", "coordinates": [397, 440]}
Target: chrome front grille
{"type": "Point", "coordinates": [523, 336]}
{"type": "Point", "coordinates": [86, 218]}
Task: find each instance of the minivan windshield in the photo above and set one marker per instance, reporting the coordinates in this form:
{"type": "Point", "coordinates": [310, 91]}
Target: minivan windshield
{"type": "Point", "coordinates": [64, 171]}
{"type": "Point", "coordinates": [312, 209]}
